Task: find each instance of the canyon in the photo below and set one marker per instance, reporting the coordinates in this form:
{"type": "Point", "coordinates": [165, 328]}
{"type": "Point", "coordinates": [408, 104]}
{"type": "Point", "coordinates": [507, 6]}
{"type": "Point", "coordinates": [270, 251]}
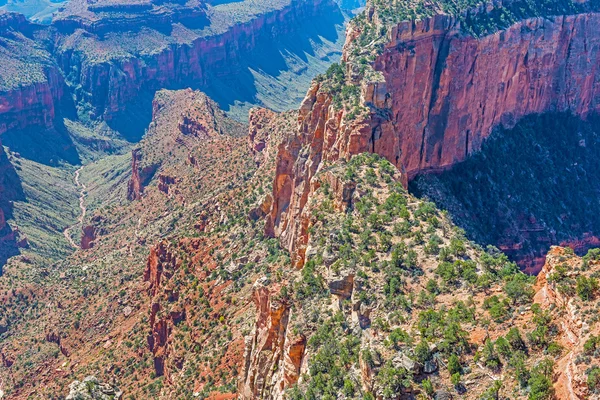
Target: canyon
{"type": "Point", "coordinates": [304, 253]}
{"type": "Point", "coordinates": [82, 87]}
{"type": "Point", "coordinates": [113, 58]}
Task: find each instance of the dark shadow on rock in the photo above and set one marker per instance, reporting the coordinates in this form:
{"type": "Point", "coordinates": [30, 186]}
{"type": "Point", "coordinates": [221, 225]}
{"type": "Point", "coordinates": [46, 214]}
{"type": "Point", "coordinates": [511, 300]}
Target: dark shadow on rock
{"type": "Point", "coordinates": [45, 146]}
{"type": "Point", "coordinates": [8, 247]}
{"type": "Point", "coordinates": [10, 190]}
{"type": "Point", "coordinates": [528, 188]}
{"type": "Point", "coordinates": [51, 146]}
{"type": "Point", "coordinates": [133, 121]}
{"type": "Point", "coordinates": [271, 57]}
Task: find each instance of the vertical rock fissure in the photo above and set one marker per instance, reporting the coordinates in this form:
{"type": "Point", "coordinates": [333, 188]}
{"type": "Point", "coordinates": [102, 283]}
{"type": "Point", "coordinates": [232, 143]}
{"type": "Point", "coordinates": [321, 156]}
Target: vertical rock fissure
{"type": "Point", "coordinates": [440, 62]}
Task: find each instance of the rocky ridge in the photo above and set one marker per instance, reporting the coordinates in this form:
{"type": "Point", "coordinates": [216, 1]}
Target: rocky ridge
{"type": "Point", "coordinates": [82, 88]}
{"type": "Point", "coordinates": [390, 295]}
{"type": "Point", "coordinates": [368, 102]}
{"type": "Point", "coordinates": [333, 273]}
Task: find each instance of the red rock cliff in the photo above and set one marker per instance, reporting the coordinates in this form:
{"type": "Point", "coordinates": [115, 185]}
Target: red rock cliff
{"type": "Point", "coordinates": [134, 186]}
{"type": "Point", "coordinates": [448, 90]}
{"type": "Point", "coordinates": [31, 106]}
{"type": "Point", "coordinates": [161, 265]}
{"type": "Point", "coordinates": [441, 95]}
{"type": "Point", "coordinates": [31, 85]}
{"type": "Point", "coordinates": [323, 135]}
{"type": "Point", "coordinates": [273, 355]}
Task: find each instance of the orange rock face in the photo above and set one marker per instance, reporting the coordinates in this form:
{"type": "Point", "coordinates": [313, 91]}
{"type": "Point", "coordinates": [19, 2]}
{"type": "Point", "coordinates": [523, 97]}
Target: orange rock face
{"type": "Point", "coordinates": [160, 262]}
{"type": "Point", "coordinates": [569, 375]}
{"type": "Point", "coordinates": [448, 90]}
{"type": "Point", "coordinates": [293, 355]}
{"type": "Point", "coordinates": [161, 265]}
{"type": "Point", "coordinates": [273, 355]}
{"type": "Point", "coordinates": [323, 135]}
{"type": "Point", "coordinates": [257, 136]}
{"type": "Point", "coordinates": [134, 187]}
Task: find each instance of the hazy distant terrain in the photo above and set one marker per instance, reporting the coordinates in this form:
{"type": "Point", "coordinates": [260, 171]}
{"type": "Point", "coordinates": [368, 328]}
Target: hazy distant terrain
{"type": "Point", "coordinates": [42, 10]}
{"type": "Point", "coordinates": [36, 10]}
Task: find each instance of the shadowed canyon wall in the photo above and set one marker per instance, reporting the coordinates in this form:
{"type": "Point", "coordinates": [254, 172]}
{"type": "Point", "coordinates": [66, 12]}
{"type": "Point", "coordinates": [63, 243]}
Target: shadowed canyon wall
{"type": "Point", "coordinates": [181, 59]}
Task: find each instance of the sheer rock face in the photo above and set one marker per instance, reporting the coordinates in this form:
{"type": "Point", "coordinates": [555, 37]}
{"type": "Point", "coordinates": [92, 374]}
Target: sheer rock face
{"type": "Point", "coordinates": [31, 106]}
{"type": "Point", "coordinates": [448, 90]}
{"type": "Point", "coordinates": [273, 355]}
{"type": "Point", "coordinates": [443, 93]}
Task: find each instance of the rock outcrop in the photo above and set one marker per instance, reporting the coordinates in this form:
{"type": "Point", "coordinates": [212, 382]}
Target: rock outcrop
{"type": "Point", "coordinates": [91, 388]}
{"type": "Point", "coordinates": [135, 187]}
{"type": "Point", "coordinates": [31, 85]}
{"type": "Point", "coordinates": [574, 330]}
{"type": "Point", "coordinates": [161, 265]}
{"type": "Point", "coordinates": [273, 355]}
{"type": "Point", "coordinates": [257, 136]}
{"type": "Point", "coordinates": [160, 262]}
{"type": "Point", "coordinates": [88, 235]}
{"type": "Point", "coordinates": [324, 135]}
{"type": "Point", "coordinates": [435, 95]}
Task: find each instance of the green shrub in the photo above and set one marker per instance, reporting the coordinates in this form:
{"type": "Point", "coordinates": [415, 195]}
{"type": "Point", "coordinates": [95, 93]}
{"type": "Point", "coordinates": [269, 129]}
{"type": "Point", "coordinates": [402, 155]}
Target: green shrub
{"type": "Point", "coordinates": [586, 287]}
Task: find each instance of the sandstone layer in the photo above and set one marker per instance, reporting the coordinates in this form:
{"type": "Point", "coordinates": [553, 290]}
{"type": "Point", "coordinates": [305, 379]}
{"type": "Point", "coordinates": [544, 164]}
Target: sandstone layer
{"type": "Point", "coordinates": [31, 85]}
